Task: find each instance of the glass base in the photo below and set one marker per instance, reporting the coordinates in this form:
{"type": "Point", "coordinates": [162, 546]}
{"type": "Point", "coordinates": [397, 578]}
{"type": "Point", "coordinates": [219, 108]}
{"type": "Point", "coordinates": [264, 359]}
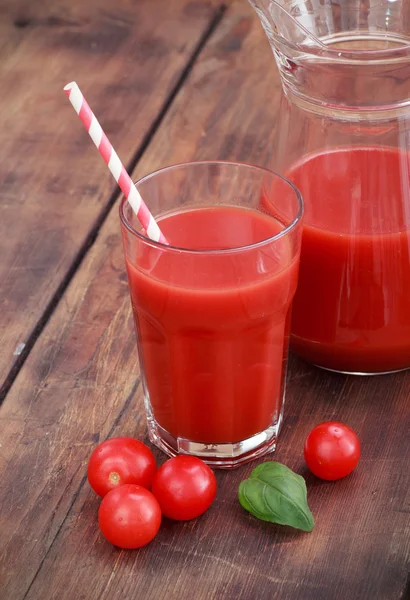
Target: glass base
{"type": "Point", "coordinates": [363, 374]}
{"type": "Point", "coordinates": [320, 355]}
{"type": "Point", "coordinates": [219, 456]}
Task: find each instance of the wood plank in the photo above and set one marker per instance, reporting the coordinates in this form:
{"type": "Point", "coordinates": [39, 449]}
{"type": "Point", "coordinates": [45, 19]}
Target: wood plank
{"type": "Point", "coordinates": [54, 188]}
{"type": "Point", "coordinates": [80, 384]}
{"type": "Point", "coordinates": [359, 548]}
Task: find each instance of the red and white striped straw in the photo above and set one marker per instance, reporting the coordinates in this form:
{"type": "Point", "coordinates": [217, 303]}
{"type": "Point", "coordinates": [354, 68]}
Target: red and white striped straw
{"type": "Point", "coordinates": [114, 164]}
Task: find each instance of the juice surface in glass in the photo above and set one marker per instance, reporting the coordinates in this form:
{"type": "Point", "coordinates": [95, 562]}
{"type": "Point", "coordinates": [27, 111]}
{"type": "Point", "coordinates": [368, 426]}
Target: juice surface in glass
{"type": "Point", "coordinates": [213, 339]}
{"type": "Point", "coordinates": [352, 308]}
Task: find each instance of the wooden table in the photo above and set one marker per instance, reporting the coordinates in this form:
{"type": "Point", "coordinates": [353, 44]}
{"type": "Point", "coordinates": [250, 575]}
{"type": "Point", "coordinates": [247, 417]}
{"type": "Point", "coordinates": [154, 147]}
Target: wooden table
{"type": "Point", "coordinates": [171, 80]}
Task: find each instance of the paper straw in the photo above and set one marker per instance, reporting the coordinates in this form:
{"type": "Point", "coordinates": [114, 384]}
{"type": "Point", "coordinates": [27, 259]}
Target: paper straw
{"type": "Point", "coordinates": [114, 164]}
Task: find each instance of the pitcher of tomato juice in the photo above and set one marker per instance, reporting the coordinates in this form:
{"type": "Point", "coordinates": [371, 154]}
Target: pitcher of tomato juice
{"type": "Point", "coordinates": [344, 139]}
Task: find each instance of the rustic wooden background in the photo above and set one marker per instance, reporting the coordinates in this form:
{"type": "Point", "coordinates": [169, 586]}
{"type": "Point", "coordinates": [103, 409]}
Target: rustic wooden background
{"type": "Point", "coordinates": [171, 80]}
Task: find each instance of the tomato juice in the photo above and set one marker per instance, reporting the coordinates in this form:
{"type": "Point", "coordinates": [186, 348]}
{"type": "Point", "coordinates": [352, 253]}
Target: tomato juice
{"type": "Point", "coordinates": [352, 308]}
{"type": "Point", "coordinates": [212, 317]}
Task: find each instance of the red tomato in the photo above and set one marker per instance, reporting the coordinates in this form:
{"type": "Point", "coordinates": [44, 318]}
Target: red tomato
{"type": "Point", "coordinates": [129, 516]}
{"type": "Point", "coordinates": [185, 487]}
{"type": "Point", "coordinates": [118, 461]}
{"type": "Point", "coordinates": [332, 450]}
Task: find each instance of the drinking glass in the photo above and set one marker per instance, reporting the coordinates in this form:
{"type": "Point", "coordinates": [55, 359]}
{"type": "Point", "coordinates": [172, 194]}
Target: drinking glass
{"type": "Point", "coordinates": [212, 308]}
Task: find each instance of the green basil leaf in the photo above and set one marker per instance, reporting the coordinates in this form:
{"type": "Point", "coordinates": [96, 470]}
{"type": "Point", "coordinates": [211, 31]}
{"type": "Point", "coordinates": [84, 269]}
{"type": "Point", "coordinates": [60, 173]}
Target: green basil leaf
{"type": "Point", "coordinates": [275, 493]}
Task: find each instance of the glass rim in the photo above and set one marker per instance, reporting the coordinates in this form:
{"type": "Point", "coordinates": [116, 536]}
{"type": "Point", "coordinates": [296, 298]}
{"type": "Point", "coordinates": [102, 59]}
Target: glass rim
{"type": "Point", "coordinates": [380, 56]}
{"type": "Point", "coordinates": [347, 55]}
{"type": "Point", "coordinates": [292, 225]}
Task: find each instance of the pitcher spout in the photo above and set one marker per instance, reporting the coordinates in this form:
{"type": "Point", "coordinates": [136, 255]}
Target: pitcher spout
{"type": "Point", "coordinates": [288, 23]}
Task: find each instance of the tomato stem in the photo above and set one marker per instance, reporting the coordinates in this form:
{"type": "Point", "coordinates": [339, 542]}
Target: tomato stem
{"type": "Point", "coordinates": [114, 478]}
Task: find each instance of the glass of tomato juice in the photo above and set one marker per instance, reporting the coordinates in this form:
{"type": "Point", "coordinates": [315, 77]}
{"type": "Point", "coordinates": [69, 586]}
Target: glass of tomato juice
{"type": "Point", "coordinates": [212, 308]}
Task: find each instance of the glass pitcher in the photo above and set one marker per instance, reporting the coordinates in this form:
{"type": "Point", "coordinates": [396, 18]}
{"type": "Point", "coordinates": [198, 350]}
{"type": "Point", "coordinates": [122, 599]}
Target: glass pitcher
{"type": "Point", "coordinates": [344, 139]}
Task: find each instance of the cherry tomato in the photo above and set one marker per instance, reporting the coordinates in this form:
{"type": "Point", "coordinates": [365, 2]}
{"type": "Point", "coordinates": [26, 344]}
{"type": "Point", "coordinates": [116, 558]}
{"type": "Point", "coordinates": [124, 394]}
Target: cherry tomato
{"type": "Point", "coordinates": [185, 487]}
{"type": "Point", "coordinates": [118, 461]}
{"type": "Point", "coordinates": [332, 450]}
{"type": "Point", "coordinates": [129, 516]}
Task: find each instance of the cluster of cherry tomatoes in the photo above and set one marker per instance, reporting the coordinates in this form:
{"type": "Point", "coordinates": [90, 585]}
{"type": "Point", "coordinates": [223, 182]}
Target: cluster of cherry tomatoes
{"type": "Point", "coordinates": [136, 495]}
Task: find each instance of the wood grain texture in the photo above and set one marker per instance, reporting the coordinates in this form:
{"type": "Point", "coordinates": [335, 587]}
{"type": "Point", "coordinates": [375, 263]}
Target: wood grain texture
{"type": "Point", "coordinates": [80, 384]}
{"type": "Point", "coordinates": [359, 548]}
{"type": "Point", "coordinates": [53, 185]}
